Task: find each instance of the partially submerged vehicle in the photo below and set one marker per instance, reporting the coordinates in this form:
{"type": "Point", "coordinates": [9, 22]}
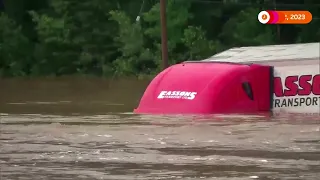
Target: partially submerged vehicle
{"type": "Point", "coordinates": [245, 80]}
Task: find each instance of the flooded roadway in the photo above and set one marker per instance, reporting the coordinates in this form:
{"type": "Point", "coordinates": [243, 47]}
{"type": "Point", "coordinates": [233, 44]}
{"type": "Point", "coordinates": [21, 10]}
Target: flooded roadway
{"type": "Point", "coordinates": [83, 129]}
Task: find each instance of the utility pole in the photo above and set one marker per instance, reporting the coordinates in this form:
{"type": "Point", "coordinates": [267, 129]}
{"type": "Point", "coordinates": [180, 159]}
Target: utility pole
{"type": "Point", "coordinates": [164, 37]}
{"type": "Point", "coordinates": [278, 25]}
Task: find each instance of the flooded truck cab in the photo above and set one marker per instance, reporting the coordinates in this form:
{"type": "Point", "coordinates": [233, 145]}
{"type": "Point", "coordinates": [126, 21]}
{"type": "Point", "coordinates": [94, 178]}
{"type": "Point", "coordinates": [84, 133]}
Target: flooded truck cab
{"type": "Point", "coordinates": [209, 87]}
{"type": "Point", "coordinates": [280, 78]}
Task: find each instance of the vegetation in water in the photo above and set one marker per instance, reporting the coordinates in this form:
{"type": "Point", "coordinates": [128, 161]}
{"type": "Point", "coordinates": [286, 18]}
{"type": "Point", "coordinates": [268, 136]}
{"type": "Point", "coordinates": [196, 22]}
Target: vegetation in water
{"type": "Point", "coordinates": [103, 38]}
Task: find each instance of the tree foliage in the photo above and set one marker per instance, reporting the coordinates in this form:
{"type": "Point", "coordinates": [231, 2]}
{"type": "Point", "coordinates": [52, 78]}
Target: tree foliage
{"type": "Point", "coordinates": [105, 38]}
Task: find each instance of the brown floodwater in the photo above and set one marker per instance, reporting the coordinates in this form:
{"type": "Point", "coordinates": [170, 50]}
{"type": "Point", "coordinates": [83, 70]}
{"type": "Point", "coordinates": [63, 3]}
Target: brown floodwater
{"type": "Point", "coordinates": [84, 129]}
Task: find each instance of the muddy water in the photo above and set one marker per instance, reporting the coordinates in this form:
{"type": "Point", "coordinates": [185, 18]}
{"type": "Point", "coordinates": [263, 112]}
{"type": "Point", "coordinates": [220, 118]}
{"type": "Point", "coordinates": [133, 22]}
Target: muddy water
{"type": "Point", "coordinates": [83, 129]}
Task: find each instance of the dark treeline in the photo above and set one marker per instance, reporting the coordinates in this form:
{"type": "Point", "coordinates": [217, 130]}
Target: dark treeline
{"type": "Point", "coordinates": [104, 38]}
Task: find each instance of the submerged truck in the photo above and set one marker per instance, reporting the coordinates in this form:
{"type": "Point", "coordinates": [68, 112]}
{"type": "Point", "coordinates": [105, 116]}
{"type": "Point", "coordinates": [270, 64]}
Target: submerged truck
{"type": "Point", "coordinates": [275, 78]}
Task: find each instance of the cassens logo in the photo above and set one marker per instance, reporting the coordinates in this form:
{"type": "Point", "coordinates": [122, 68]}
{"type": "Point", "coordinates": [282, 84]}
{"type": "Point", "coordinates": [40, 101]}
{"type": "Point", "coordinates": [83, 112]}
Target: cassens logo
{"type": "Point", "coordinates": [177, 95]}
{"type": "Point", "coordinates": [297, 85]}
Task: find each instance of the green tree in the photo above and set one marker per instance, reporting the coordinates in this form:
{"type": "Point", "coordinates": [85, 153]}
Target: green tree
{"type": "Point", "coordinates": [134, 58]}
{"type": "Point", "coordinates": [14, 49]}
{"type": "Point", "coordinates": [244, 30]}
{"type": "Point", "coordinates": [310, 32]}
{"type": "Point", "coordinates": [99, 37]}
{"type": "Point", "coordinates": [75, 37]}
{"type": "Point", "coordinates": [140, 42]}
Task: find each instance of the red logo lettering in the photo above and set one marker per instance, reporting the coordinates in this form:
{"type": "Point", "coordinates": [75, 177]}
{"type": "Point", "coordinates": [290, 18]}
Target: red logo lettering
{"type": "Point", "coordinates": [305, 85]}
{"type": "Point", "coordinates": [297, 85]}
{"type": "Point", "coordinates": [291, 85]}
{"type": "Point", "coordinates": [278, 89]}
{"type": "Point", "coordinates": [316, 85]}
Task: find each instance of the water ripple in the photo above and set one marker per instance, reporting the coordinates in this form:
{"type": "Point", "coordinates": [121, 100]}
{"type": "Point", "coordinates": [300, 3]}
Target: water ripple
{"type": "Point", "coordinates": [128, 146]}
